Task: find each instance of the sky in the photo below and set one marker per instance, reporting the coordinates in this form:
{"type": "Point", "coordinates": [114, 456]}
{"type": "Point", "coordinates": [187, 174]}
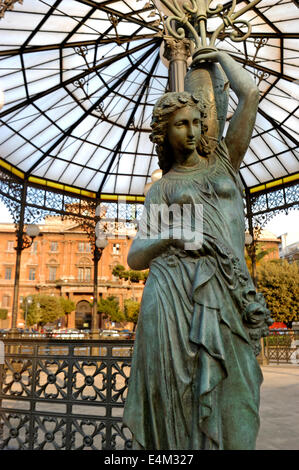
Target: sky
{"type": "Point", "coordinates": [283, 223]}
{"type": "Point", "coordinates": [279, 225]}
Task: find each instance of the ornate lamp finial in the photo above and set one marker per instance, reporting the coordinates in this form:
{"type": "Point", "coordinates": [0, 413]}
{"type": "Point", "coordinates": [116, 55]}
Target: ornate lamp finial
{"type": "Point", "coordinates": [193, 15]}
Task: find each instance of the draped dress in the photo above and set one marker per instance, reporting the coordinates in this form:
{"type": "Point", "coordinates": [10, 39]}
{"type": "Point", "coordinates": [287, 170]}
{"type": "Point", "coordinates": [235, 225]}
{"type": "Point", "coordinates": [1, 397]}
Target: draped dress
{"type": "Point", "coordinates": [195, 380]}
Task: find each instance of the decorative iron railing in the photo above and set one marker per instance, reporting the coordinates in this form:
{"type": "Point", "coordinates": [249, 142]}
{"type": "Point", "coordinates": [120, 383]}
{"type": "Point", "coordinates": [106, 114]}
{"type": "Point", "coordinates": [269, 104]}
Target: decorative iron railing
{"type": "Point", "coordinates": [64, 394]}
{"type": "Point", "coordinates": [282, 347]}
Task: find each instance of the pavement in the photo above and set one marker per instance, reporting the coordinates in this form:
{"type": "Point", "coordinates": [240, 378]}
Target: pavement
{"type": "Point", "coordinates": [279, 408]}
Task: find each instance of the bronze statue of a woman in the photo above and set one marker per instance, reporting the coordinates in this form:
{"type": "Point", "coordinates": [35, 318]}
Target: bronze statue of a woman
{"type": "Point", "coordinates": [195, 379]}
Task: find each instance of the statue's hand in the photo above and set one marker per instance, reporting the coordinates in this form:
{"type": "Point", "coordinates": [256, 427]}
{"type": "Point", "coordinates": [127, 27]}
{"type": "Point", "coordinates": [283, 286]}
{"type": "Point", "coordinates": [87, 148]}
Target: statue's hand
{"type": "Point", "coordinates": [212, 55]}
{"type": "Point", "coordinates": [178, 243]}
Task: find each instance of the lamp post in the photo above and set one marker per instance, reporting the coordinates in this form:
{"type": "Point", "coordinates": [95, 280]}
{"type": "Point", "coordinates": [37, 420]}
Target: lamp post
{"type": "Point", "coordinates": [189, 19]}
{"type": "Point", "coordinates": [28, 301]}
{"type": "Point", "coordinates": [100, 244]}
{"type": "Point", "coordinates": [186, 31]}
{"type": "Point", "coordinates": [176, 53]}
{"type": "Point", "coordinates": [24, 240]}
{"type": "Point", "coordinates": [250, 245]}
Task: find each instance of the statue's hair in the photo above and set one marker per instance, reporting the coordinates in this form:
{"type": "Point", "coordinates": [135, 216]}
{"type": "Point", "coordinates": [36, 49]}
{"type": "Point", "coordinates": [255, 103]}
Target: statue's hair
{"type": "Point", "coordinates": [165, 106]}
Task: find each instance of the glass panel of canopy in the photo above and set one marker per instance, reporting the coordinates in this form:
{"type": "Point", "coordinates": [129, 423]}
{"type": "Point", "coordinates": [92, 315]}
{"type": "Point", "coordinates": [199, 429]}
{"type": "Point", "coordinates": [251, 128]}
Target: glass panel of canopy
{"type": "Point", "coordinates": [80, 79]}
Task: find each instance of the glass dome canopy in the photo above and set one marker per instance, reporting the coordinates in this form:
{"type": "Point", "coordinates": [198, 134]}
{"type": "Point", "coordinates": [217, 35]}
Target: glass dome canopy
{"type": "Point", "coordinates": [81, 77]}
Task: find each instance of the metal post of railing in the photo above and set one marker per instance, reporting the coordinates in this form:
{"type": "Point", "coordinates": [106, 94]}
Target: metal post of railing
{"type": "Point", "coordinates": [2, 358]}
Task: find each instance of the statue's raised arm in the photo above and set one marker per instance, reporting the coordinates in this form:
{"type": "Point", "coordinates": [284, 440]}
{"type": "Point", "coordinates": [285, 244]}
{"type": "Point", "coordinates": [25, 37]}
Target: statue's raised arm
{"type": "Point", "coordinates": [242, 122]}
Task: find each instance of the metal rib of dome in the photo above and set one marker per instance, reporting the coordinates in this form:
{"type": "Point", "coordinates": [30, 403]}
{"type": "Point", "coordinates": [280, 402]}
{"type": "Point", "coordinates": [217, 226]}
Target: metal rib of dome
{"type": "Point", "coordinates": [80, 79]}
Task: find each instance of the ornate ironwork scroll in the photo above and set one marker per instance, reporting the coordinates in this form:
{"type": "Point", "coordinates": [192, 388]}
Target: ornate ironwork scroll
{"type": "Point", "coordinates": [42, 202]}
{"type": "Point", "coordinates": [267, 204]}
{"type": "Point", "coordinates": [192, 16]}
{"type": "Point", "coordinates": [64, 395]}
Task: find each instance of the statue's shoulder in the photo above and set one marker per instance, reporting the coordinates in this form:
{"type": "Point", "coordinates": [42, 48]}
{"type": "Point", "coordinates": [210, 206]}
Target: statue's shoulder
{"type": "Point", "coordinates": [155, 193]}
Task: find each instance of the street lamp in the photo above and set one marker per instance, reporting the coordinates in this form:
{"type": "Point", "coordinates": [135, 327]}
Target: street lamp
{"type": "Point", "coordinates": [189, 18]}
{"type": "Point", "coordinates": [186, 31]}
{"type": "Point", "coordinates": [28, 301]}
{"type": "Point", "coordinates": [100, 244]}
{"type": "Point", "coordinates": [24, 240]}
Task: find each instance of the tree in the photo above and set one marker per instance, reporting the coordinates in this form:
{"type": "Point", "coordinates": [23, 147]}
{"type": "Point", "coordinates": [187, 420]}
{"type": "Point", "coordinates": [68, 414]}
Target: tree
{"type": "Point", "coordinates": [43, 309]}
{"type": "Point", "coordinates": [110, 309]}
{"type": "Point", "coordinates": [3, 313]}
{"type": "Point", "coordinates": [134, 276]}
{"type": "Point", "coordinates": [31, 311]}
{"type": "Point", "coordinates": [131, 311]}
{"type": "Point", "coordinates": [68, 306]}
{"type": "Point", "coordinates": [279, 282]}
{"type": "Point", "coordinates": [260, 253]}
{"type": "Point", "coordinates": [118, 271]}
{"type": "Point", "coordinates": [145, 275]}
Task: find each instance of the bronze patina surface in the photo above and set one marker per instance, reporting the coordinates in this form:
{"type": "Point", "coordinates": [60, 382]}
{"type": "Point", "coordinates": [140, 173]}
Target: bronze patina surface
{"type": "Point", "coordinates": [195, 380]}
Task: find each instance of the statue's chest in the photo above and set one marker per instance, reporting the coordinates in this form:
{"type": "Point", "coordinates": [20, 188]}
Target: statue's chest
{"type": "Point", "coordinates": [200, 189]}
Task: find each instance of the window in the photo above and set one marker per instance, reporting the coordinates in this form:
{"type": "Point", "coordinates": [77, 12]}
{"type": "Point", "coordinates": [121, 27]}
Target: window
{"type": "Point", "coordinates": [54, 246]}
{"type": "Point", "coordinates": [87, 274]}
{"type": "Point", "coordinates": [84, 247]}
{"type": "Point", "coordinates": [81, 274]}
{"type": "Point", "coordinates": [116, 248]}
{"type": "Point", "coordinates": [10, 245]}
{"type": "Point", "coordinates": [5, 301]}
{"type": "Point", "coordinates": [52, 273]}
{"type": "Point", "coordinates": [32, 274]}
{"type": "Point", "coordinates": [84, 274]}
{"type": "Point", "coordinates": [8, 273]}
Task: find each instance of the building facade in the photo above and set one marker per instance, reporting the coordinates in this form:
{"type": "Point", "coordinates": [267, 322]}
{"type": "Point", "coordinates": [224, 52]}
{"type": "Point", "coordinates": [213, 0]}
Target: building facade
{"type": "Point", "coordinates": [289, 247]}
{"type": "Point", "coordinates": [60, 262]}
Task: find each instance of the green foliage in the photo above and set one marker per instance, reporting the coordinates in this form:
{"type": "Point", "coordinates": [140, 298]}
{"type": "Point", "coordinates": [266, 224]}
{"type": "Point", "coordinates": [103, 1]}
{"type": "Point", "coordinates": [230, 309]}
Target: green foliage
{"type": "Point", "coordinates": [43, 309]}
{"type": "Point", "coordinates": [279, 282]}
{"type": "Point", "coordinates": [131, 310]}
{"type": "Point", "coordinates": [110, 308]}
{"type": "Point", "coordinates": [134, 276]}
{"type": "Point", "coordinates": [3, 313]}
{"type": "Point", "coordinates": [260, 254]}
{"type": "Point", "coordinates": [67, 305]}
{"type": "Point", "coordinates": [118, 271]}
{"type": "Point", "coordinates": [279, 340]}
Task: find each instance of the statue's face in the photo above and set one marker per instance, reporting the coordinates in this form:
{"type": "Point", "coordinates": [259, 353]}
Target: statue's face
{"type": "Point", "coordinates": [184, 130]}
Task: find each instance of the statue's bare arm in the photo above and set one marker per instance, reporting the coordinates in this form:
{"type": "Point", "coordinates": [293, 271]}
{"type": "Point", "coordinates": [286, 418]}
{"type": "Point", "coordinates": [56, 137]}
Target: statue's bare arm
{"type": "Point", "coordinates": [241, 125]}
